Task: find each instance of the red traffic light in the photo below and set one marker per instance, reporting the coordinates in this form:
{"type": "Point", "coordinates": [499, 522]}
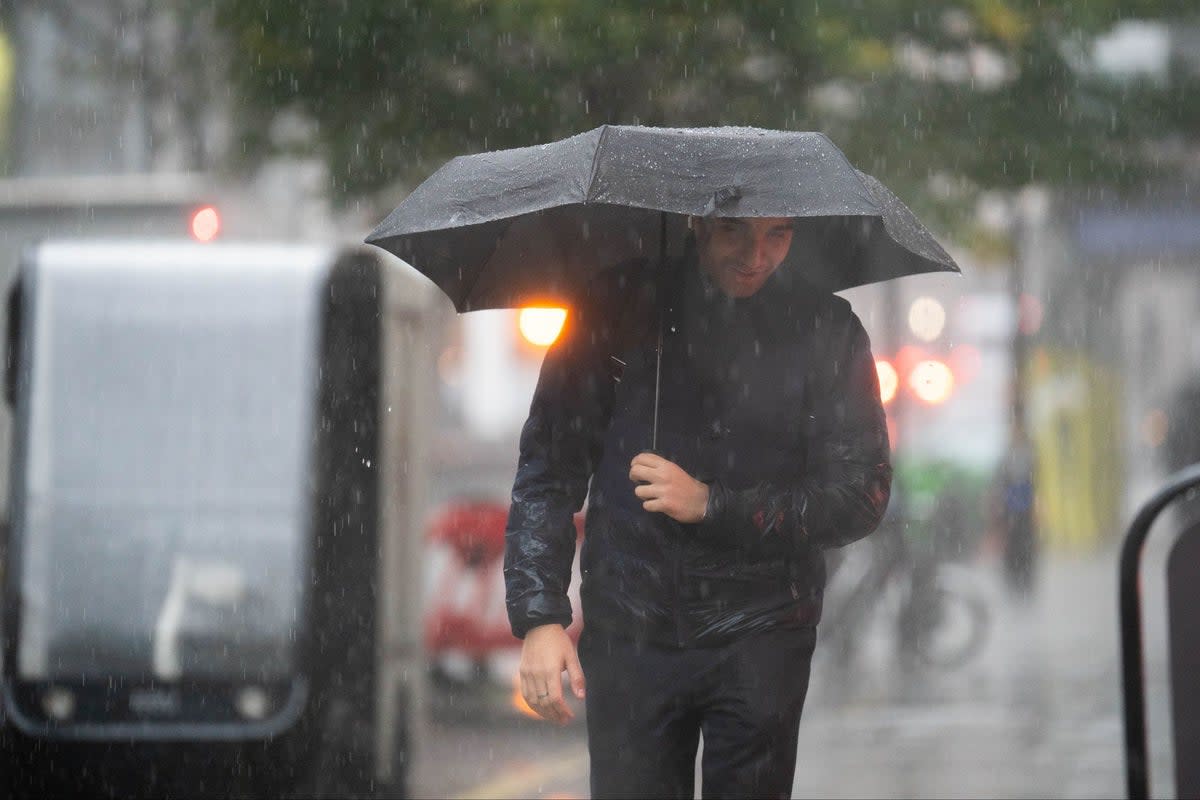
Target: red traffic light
{"type": "Point", "coordinates": [205, 224]}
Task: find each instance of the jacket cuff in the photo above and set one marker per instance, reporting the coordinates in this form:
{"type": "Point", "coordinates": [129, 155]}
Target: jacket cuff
{"type": "Point", "coordinates": [714, 526]}
{"type": "Point", "coordinates": [538, 610]}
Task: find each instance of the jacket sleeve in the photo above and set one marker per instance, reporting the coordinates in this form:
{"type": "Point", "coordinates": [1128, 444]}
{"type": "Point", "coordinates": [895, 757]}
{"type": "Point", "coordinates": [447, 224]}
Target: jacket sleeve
{"type": "Point", "coordinates": [560, 445]}
{"type": "Point", "coordinates": [845, 490]}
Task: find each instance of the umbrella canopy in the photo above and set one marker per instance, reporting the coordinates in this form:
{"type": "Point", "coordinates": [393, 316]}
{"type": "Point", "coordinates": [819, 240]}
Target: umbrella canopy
{"type": "Point", "coordinates": [534, 224]}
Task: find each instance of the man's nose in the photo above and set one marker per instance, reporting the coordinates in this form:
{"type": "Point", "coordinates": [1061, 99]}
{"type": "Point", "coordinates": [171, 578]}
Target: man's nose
{"type": "Point", "coordinates": [761, 253]}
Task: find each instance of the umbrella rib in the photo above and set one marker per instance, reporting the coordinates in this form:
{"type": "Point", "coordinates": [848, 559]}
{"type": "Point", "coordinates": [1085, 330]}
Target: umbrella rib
{"type": "Point", "coordinates": [587, 192]}
{"type": "Point", "coordinates": [661, 302]}
{"type": "Point", "coordinates": [475, 282]}
{"type": "Point", "coordinates": [856, 172]}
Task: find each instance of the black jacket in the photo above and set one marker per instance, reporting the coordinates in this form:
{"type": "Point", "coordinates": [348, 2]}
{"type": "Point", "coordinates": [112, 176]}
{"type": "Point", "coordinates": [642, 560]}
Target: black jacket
{"type": "Point", "coordinates": [773, 400]}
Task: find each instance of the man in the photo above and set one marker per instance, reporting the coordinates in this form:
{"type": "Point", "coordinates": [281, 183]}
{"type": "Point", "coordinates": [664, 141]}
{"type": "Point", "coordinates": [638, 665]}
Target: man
{"type": "Point", "coordinates": [702, 571]}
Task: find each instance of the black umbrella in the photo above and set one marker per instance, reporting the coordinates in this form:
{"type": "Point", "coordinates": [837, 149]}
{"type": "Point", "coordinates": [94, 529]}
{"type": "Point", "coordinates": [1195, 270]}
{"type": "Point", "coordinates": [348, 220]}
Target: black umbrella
{"type": "Point", "coordinates": [533, 224]}
{"type": "Point", "coordinates": [506, 228]}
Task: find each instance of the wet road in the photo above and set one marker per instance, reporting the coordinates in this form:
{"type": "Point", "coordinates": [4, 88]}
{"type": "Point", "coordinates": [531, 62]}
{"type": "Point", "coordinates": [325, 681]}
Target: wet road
{"type": "Point", "coordinates": [1037, 714]}
{"type": "Point", "coordinates": [478, 745]}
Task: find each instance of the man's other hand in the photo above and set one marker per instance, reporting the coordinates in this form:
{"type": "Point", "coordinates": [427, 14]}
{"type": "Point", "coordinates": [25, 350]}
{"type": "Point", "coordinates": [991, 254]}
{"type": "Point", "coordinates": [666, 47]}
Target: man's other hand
{"type": "Point", "coordinates": [546, 653]}
{"type": "Point", "coordinates": [666, 488]}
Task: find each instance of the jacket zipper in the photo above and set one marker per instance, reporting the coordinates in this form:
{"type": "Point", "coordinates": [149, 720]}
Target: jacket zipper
{"type": "Point", "coordinates": [682, 638]}
{"type": "Point", "coordinates": [678, 604]}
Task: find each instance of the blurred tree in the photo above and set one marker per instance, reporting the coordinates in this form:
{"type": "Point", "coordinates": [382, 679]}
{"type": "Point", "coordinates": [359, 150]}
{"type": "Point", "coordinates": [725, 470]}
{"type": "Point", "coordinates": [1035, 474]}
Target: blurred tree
{"type": "Point", "coordinates": [947, 94]}
{"type": "Point", "coordinates": [392, 88]}
{"type": "Point", "coordinates": [1007, 93]}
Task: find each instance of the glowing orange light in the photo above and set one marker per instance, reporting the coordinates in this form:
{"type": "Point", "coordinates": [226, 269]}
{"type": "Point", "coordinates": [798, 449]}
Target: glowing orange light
{"type": "Point", "coordinates": [518, 699]}
{"type": "Point", "coordinates": [206, 224]}
{"type": "Point", "coordinates": [541, 326]}
{"type": "Point", "coordinates": [1041, 362]}
{"type": "Point", "coordinates": [889, 381]}
{"type": "Point", "coordinates": [931, 381]}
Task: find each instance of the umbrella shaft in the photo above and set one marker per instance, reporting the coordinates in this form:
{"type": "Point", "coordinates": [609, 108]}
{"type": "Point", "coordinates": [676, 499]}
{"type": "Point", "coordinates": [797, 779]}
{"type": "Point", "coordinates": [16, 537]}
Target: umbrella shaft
{"type": "Point", "coordinates": [662, 313]}
{"type": "Point", "coordinates": [657, 385]}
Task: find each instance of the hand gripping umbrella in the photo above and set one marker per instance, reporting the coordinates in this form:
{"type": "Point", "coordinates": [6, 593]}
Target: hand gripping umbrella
{"type": "Point", "coordinates": [534, 224]}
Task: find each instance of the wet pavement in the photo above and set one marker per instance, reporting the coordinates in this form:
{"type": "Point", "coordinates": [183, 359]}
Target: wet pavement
{"type": "Point", "coordinates": [478, 745]}
{"type": "Point", "coordinates": [1035, 714]}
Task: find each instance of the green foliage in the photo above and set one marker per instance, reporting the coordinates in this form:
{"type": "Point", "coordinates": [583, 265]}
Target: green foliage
{"type": "Point", "coordinates": [994, 93]}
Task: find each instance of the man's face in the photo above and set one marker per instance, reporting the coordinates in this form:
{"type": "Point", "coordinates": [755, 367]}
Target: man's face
{"type": "Point", "coordinates": [740, 253]}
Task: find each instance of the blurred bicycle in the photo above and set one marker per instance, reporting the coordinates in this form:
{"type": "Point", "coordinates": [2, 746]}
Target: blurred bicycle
{"type": "Point", "coordinates": [940, 617]}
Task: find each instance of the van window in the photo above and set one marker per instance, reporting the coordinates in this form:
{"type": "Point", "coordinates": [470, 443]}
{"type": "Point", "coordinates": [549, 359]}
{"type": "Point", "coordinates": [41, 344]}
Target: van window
{"type": "Point", "coordinates": [164, 502]}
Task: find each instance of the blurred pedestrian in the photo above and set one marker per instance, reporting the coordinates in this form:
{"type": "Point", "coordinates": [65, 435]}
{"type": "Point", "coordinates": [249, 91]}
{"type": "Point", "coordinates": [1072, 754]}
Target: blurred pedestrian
{"type": "Point", "coordinates": [1015, 509]}
{"type": "Point", "coordinates": [702, 567]}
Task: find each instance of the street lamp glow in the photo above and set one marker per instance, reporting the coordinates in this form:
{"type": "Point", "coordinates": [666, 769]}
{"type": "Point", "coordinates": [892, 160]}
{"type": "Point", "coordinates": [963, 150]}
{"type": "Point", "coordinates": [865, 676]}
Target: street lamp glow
{"type": "Point", "coordinates": [541, 326]}
{"type": "Point", "coordinates": [926, 318]}
{"type": "Point", "coordinates": [931, 381]}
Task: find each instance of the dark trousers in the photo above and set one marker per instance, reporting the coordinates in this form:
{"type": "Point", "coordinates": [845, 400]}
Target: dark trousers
{"type": "Point", "coordinates": [647, 706]}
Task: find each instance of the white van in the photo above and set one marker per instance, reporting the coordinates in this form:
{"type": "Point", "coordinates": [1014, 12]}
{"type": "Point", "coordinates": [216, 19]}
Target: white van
{"type": "Point", "coordinates": [216, 499]}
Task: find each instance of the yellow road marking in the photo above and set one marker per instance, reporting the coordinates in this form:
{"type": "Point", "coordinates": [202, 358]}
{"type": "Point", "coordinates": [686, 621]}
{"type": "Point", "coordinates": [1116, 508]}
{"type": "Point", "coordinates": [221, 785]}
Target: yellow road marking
{"type": "Point", "coordinates": [529, 780]}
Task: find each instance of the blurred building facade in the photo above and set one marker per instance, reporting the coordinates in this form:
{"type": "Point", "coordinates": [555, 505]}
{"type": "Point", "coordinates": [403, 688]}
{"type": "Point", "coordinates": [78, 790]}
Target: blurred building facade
{"type": "Point", "coordinates": [1114, 368]}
